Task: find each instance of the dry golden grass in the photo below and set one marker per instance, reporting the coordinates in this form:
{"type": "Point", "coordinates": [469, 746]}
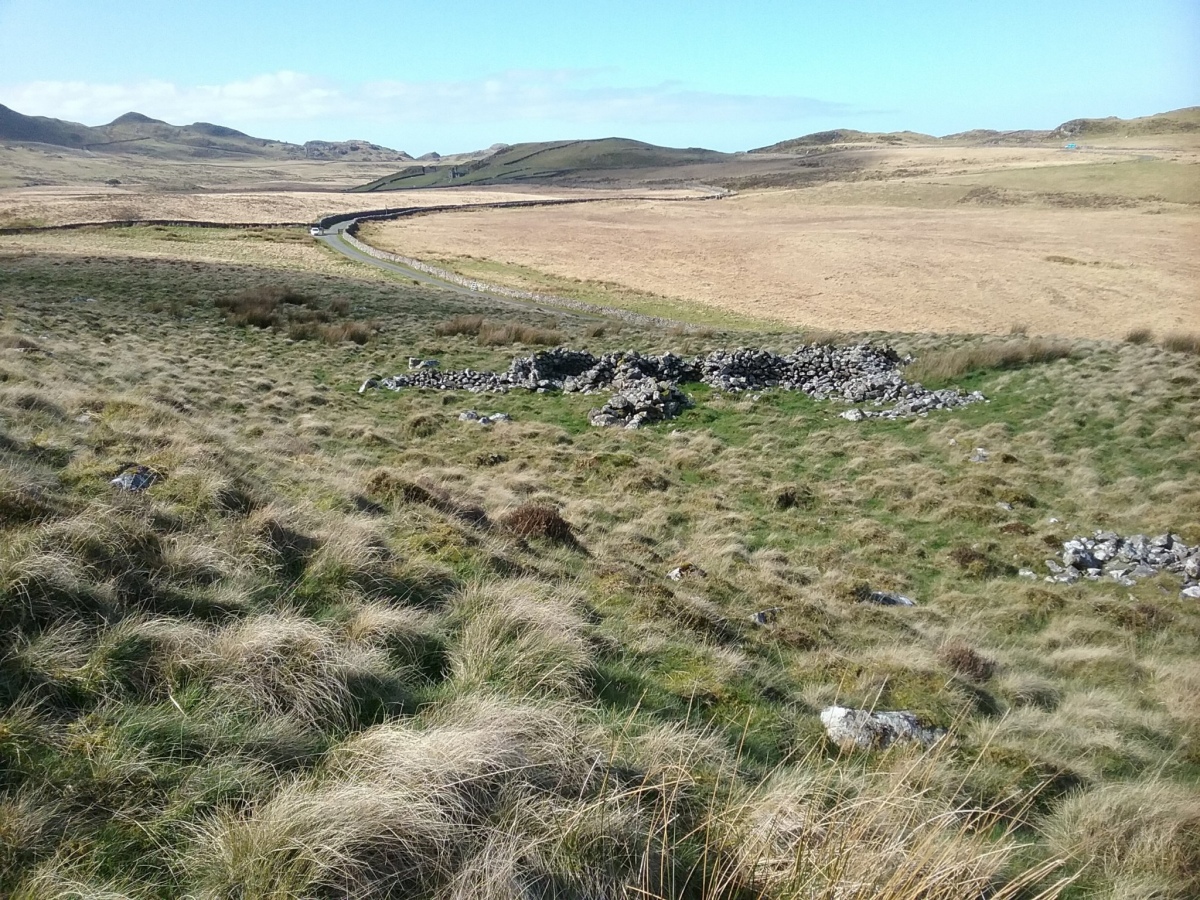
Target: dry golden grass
{"type": "Point", "coordinates": [62, 204]}
{"type": "Point", "coordinates": [776, 255]}
{"type": "Point", "coordinates": [1010, 354]}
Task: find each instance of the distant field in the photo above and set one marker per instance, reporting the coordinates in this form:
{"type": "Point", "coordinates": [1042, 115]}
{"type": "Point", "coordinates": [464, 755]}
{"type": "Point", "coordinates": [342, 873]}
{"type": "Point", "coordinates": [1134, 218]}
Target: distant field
{"type": "Point", "coordinates": [775, 255]}
{"type": "Point", "coordinates": [1137, 178]}
{"type": "Point", "coordinates": [56, 205]}
{"type": "Point", "coordinates": [23, 166]}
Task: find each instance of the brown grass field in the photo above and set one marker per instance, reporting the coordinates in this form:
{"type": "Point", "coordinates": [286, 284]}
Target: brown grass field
{"type": "Point", "coordinates": [59, 204]}
{"type": "Point", "coordinates": [926, 239]}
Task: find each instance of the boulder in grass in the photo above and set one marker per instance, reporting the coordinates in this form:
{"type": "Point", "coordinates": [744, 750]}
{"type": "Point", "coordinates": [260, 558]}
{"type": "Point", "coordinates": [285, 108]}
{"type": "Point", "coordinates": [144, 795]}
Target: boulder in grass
{"type": "Point", "coordinates": [868, 730]}
{"type": "Point", "coordinates": [888, 598]}
{"type": "Point", "coordinates": [687, 570]}
{"type": "Point", "coordinates": [135, 478]}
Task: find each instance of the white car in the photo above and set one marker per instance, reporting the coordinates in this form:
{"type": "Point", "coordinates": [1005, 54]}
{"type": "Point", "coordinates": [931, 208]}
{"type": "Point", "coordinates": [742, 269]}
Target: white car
{"type": "Point", "coordinates": [315, 231]}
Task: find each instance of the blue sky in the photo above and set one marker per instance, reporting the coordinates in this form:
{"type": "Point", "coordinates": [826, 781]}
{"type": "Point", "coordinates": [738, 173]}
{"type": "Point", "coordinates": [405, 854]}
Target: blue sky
{"type": "Point", "coordinates": [730, 76]}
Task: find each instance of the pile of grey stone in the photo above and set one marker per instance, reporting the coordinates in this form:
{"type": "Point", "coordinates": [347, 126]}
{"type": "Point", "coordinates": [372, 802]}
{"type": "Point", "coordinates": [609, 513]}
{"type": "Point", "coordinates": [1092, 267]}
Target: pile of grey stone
{"type": "Point", "coordinates": [645, 388]}
{"type": "Point", "coordinates": [1127, 559]}
{"type": "Point", "coordinates": [485, 419]}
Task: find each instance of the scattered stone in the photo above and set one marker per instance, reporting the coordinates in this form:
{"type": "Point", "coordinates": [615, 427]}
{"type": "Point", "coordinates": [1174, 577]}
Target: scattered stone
{"type": "Point", "coordinates": [135, 478]}
{"type": "Point", "coordinates": [687, 570]}
{"type": "Point", "coordinates": [1007, 507]}
{"type": "Point", "coordinates": [1125, 559]}
{"type": "Point", "coordinates": [646, 388]}
{"type": "Point", "coordinates": [766, 616]}
{"type": "Point", "coordinates": [1192, 591]}
{"type": "Point", "coordinates": [887, 598]}
{"type": "Point", "coordinates": [979, 456]}
{"type": "Point", "coordinates": [861, 728]}
{"type": "Point", "coordinates": [471, 416]}
{"type": "Point", "coordinates": [372, 382]}
{"type": "Point", "coordinates": [1027, 573]}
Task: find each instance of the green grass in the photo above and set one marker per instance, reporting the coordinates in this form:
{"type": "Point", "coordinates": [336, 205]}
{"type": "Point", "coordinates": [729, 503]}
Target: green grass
{"type": "Point", "coordinates": [1145, 179]}
{"type": "Point", "coordinates": [314, 661]}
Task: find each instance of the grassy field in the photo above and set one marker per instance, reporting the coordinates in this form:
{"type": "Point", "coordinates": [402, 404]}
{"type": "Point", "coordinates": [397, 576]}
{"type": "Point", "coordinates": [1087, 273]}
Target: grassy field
{"type": "Point", "coordinates": [36, 165]}
{"type": "Point", "coordinates": [1134, 179]}
{"type": "Point", "coordinates": [36, 207]}
{"type": "Point", "coordinates": [319, 659]}
{"type": "Point", "coordinates": [813, 258]}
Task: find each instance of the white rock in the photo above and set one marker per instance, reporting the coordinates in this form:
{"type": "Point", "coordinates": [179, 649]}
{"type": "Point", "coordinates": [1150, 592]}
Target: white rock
{"type": "Point", "coordinates": [850, 728]}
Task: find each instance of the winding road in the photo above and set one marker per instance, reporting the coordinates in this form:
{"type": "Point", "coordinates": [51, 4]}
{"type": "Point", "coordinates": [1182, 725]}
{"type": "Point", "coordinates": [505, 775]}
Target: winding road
{"type": "Point", "coordinates": [332, 238]}
{"type": "Point", "coordinates": [335, 235]}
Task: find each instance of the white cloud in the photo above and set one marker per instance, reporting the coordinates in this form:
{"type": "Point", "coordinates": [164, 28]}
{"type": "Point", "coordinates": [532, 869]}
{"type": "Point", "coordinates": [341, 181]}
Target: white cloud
{"type": "Point", "coordinates": [280, 96]}
{"type": "Point", "coordinates": [559, 96]}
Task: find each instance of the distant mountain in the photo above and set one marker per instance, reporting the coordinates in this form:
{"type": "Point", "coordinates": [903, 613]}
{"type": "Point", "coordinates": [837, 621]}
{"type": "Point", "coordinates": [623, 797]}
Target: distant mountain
{"type": "Point", "coordinates": [1179, 121]}
{"type": "Point", "coordinates": [550, 162]}
{"type": "Point", "coordinates": [41, 130]}
{"type": "Point", "coordinates": [140, 135]}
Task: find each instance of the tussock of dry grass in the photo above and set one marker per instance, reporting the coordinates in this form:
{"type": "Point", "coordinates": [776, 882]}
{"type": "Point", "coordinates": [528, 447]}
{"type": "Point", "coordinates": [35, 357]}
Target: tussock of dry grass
{"type": "Point", "coordinates": [947, 364]}
{"type": "Point", "coordinates": [1181, 342]}
{"type": "Point", "coordinates": [302, 316]}
{"type": "Point", "coordinates": [286, 665]}
{"type": "Point", "coordinates": [538, 520]}
{"type": "Point", "coordinates": [1148, 833]}
{"type": "Point", "coordinates": [523, 638]}
{"type": "Point", "coordinates": [499, 334]}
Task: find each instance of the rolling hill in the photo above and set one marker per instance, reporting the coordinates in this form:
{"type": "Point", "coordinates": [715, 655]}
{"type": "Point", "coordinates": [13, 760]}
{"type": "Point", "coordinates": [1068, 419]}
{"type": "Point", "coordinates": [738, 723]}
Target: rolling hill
{"type": "Point", "coordinates": [1179, 121]}
{"type": "Point", "coordinates": [577, 162]}
{"type": "Point", "coordinates": [137, 134]}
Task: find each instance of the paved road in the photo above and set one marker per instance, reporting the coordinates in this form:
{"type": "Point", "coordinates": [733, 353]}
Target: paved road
{"type": "Point", "coordinates": [333, 238]}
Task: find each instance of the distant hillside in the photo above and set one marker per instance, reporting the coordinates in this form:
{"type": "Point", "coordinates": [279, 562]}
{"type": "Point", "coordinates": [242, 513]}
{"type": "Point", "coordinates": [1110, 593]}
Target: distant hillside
{"type": "Point", "coordinates": [41, 130]}
{"type": "Point", "coordinates": [136, 134]}
{"type": "Point", "coordinates": [586, 161]}
{"type": "Point", "coordinates": [845, 136]}
{"type": "Point", "coordinates": [1179, 121]}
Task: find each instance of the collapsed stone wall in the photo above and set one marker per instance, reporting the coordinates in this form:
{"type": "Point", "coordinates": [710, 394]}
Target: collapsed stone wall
{"type": "Point", "coordinates": [1127, 559]}
{"type": "Point", "coordinates": [645, 388]}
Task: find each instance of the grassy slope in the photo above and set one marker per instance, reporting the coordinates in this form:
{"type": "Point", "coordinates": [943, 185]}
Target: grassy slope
{"type": "Point", "coordinates": [545, 162]}
{"type": "Point", "coordinates": [303, 665]}
{"type": "Point", "coordinates": [1178, 121]}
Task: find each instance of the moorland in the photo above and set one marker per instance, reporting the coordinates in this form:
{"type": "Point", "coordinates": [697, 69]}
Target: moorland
{"type": "Point", "coordinates": [346, 643]}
